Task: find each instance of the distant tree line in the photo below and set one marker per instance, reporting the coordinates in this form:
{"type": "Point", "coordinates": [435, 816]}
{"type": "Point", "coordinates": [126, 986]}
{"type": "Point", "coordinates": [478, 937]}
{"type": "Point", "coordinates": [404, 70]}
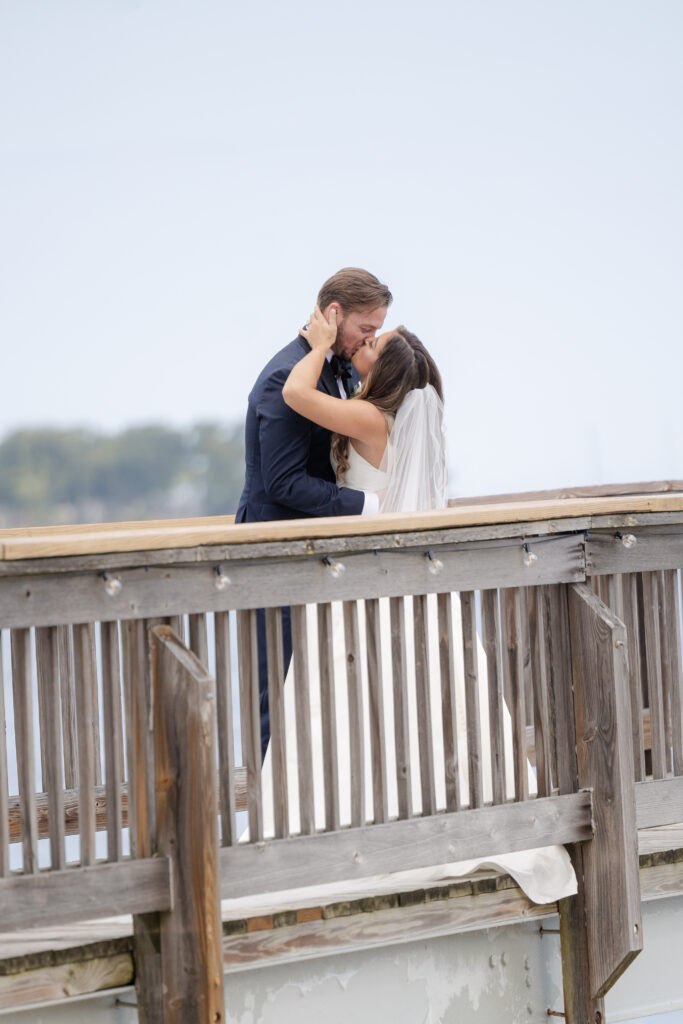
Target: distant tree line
{"type": "Point", "coordinates": [50, 476]}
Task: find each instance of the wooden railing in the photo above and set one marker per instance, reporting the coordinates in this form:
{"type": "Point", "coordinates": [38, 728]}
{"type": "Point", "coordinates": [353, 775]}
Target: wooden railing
{"type": "Point", "coordinates": [528, 633]}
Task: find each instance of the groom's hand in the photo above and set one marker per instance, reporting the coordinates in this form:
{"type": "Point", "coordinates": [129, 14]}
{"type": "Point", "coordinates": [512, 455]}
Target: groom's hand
{"type": "Point", "coordinates": [318, 332]}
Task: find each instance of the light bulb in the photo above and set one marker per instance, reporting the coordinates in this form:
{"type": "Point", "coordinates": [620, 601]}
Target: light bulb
{"type": "Point", "coordinates": [335, 569]}
{"type": "Point", "coordinates": [112, 585]}
{"type": "Point", "coordinates": [221, 581]}
{"type": "Point", "coordinates": [435, 565]}
{"type": "Point", "coordinates": [530, 557]}
{"type": "Point", "coordinates": [629, 540]}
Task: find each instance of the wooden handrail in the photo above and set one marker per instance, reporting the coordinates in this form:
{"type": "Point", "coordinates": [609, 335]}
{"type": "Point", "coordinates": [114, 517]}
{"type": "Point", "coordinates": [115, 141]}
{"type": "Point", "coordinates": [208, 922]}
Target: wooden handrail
{"type": "Point", "coordinates": [46, 542]}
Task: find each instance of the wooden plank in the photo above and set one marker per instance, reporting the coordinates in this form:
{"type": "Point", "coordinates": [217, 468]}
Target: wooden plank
{"type": "Point", "coordinates": [187, 831]}
{"type": "Point", "coordinates": [111, 705]}
{"type": "Point", "coordinates": [328, 716]}
{"type": "Point", "coordinates": [247, 647]}
{"type": "Point", "coordinates": [199, 644]}
{"type": "Point", "coordinates": [304, 748]}
{"type": "Point", "coordinates": [653, 662]}
{"type": "Point", "coordinates": [448, 700]}
{"type": "Point", "coordinates": [490, 626]}
{"type": "Point", "coordinates": [424, 705]}
{"type": "Point", "coordinates": [513, 660]}
{"type": "Point", "coordinates": [604, 756]}
{"type": "Point", "coordinates": [137, 735]}
{"type": "Point", "coordinates": [629, 601]}
{"type": "Point", "coordinates": [659, 802]}
{"type": "Point", "coordinates": [378, 757]}
{"type": "Point", "coordinates": [51, 983]}
{"type": "Point", "coordinates": [47, 660]}
{"type": "Point", "coordinates": [593, 491]}
{"type": "Point", "coordinates": [537, 633]}
{"type": "Point", "coordinates": [469, 640]}
{"type": "Point", "coordinates": [82, 894]}
{"type": "Point", "coordinates": [136, 536]}
{"type": "Point", "coordinates": [605, 552]}
{"type": "Point", "coordinates": [402, 845]}
{"type": "Point", "coordinates": [355, 698]}
{"type": "Point", "coordinates": [276, 709]}
{"type": "Point", "coordinates": [22, 691]}
{"type": "Point", "coordinates": [84, 670]}
{"type": "Point", "coordinates": [225, 728]}
{"type": "Point", "coordinates": [399, 673]}
{"type": "Point", "coordinates": [67, 694]}
{"type": "Point", "coordinates": [4, 790]}
{"type": "Point", "coordinates": [673, 625]}
{"type": "Point", "coordinates": [165, 591]}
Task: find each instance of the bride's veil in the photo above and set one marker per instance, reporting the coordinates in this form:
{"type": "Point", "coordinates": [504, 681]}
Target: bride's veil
{"type": "Point", "coordinates": [415, 456]}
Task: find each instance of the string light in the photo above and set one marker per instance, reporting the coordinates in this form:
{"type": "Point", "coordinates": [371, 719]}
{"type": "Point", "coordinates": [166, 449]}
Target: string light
{"type": "Point", "coordinates": [112, 584]}
{"type": "Point", "coordinates": [629, 540]}
{"type": "Point", "coordinates": [435, 565]}
{"type": "Point", "coordinates": [221, 581]}
{"type": "Point", "coordinates": [335, 569]}
{"type": "Point", "coordinates": [530, 557]}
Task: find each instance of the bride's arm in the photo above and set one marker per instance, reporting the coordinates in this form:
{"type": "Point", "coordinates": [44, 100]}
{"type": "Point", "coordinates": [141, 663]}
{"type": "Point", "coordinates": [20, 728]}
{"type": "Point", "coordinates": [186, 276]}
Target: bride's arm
{"type": "Point", "coordinates": [352, 417]}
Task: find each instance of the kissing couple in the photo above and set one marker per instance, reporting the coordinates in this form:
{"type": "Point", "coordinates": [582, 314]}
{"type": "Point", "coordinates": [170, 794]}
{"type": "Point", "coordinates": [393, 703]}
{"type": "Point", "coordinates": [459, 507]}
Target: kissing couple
{"type": "Point", "coordinates": [343, 421]}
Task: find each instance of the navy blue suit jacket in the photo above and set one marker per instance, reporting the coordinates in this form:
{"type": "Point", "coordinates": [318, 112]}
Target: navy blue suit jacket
{"type": "Point", "coordinates": [288, 470]}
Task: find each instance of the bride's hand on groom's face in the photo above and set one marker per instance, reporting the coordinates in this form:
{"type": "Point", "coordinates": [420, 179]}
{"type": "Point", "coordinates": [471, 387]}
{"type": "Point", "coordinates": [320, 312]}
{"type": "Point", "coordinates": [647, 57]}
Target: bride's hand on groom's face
{"type": "Point", "coordinates": [320, 333]}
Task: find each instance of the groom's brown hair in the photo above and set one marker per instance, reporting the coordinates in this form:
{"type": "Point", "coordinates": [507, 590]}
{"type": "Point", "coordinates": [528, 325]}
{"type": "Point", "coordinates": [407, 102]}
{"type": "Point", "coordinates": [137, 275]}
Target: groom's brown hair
{"type": "Point", "coordinates": [353, 289]}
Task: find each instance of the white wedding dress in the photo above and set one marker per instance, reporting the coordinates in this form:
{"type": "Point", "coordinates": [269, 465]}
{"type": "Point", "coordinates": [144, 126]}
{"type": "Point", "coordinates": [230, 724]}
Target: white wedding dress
{"type": "Point", "coordinates": [545, 874]}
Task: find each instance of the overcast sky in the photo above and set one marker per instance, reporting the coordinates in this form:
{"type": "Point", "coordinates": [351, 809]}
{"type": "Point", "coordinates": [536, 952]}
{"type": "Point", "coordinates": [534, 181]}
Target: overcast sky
{"type": "Point", "coordinates": [178, 178]}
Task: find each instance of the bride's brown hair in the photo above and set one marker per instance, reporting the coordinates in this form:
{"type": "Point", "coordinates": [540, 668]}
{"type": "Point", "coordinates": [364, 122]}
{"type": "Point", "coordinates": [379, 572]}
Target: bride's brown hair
{"type": "Point", "coordinates": [403, 364]}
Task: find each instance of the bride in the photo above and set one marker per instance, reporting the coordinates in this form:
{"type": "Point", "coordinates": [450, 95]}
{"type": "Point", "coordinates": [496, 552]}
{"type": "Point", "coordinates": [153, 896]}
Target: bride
{"type": "Point", "coordinates": [389, 439]}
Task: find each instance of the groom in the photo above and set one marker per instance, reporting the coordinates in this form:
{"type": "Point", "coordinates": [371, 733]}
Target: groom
{"type": "Point", "coordinates": [288, 470]}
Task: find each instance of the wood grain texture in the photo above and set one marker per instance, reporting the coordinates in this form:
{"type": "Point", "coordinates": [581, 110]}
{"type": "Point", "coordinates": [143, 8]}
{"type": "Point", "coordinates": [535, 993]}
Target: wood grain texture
{"type": "Point", "coordinates": [490, 626]}
{"type": "Point", "coordinates": [424, 708]}
{"type": "Point", "coordinates": [4, 791]}
{"type": "Point", "coordinates": [469, 641]}
{"type": "Point", "coordinates": [328, 717]}
{"type": "Point", "coordinates": [225, 728]}
{"type": "Point", "coordinates": [247, 646]}
{"type": "Point", "coordinates": [23, 731]}
{"type": "Point", "coordinates": [513, 661]}
{"type": "Point", "coordinates": [304, 748]}
{"type": "Point", "coordinates": [111, 705]}
{"type": "Point", "coordinates": [47, 661]}
{"type": "Point", "coordinates": [54, 983]}
{"type": "Point", "coordinates": [159, 592]}
{"type": "Point", "coordinates": [604, 757]}
{"type": "Point", "coordinates": [378, 755]}
{"type": "Point", "coordinates": [187, 831]}
{"type": "Point", "coordinates": [276, 709]}
{"type": "Point", "coordinates": [84, 673]}
{"type": "Point", "coordinates": [448, 700]}
{"type": "Point", "coordinates": [401, 845]}
{"type": "Point", "coordinates": [105, 537]}
{"type": "Point", "coordinates": [653, 662]}
{"type": "Point", "coordinates": [659, 802]}
{"type": "Point", "coordinates": [541, 707]}
{"type": "Point", "coordinates": [68, 704]}
{"type": "Point", "coordinates": [355, 697]}
{"type": "Point", "coordinates": [605, 552]}
{"type": "Point", "coordinates": [399, 674]}
{"type": "Point", "coordinates": [82, 894]}
{"type": "Point", "coordinates": [629, 601]}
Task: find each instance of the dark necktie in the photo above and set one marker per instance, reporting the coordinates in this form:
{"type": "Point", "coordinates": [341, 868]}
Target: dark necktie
{"type": "Point", "coordinates": [341, 370]}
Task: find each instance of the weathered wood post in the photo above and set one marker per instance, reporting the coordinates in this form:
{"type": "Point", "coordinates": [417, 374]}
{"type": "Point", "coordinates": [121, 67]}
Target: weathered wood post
{"type": "Point", "coordinates": [187, 832]}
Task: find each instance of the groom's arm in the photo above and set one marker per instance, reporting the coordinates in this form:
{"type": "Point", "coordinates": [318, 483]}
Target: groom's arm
{"type": "Point", "coordinates": [285, 443]}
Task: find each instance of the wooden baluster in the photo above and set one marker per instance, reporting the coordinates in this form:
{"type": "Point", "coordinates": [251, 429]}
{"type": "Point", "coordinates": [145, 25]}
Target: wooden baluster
{"type": "Point", "coordinates": [654, 673]}
{"type": "Point", "coordinates": [198, 638]}
{"type": "Point", "coordinates": [84, 671]}
{"type": "Point", "coordinates": [4, 788]}
{"type": "Point", "coordinates": [355, 697]}
{"type": "Point", "coordinates": [22, 691]}
{"type": "Point", "coordinates": [303, 719]}
{"type": "Point", "coordinates": [226, 743]}
{"type": "Point", "coordinates": [401, 723]}
{"type": "Point", "coordinates": [491, 642]}
{"type": "Point", "coordinates": [673, 663]}
{"type": "Point", "coordinates": [47, 660]}
{"type": "Point", "coordinates": [449, 719]}
{"type": "Point", "coordinates": [328, 715]}
{"type": "Point", "coordinates": [376, 702]}
{"type": "Point", "coordinates": [139, 737]}
{"type": "Point", "coordinates": [514, 675]}
{"type": "Point", "coordinates": [111, 704]}
{"type": "Point", "coordinates": [537, 634]}
{"type": "Point", "coordinates": [424, 705]}
{"type": "Point", "coordinates": [66, 681]}
{"type": "Point", "coordinates": [667, 665]}
{"type": "Point", "coordinates": [276, 709]}
{"type": "Point", "coordinates": [629, 607]}
{"type": "Point", "coordinates": [469, 641]}
{"type": "Point", "coordinates": [247, 646]}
